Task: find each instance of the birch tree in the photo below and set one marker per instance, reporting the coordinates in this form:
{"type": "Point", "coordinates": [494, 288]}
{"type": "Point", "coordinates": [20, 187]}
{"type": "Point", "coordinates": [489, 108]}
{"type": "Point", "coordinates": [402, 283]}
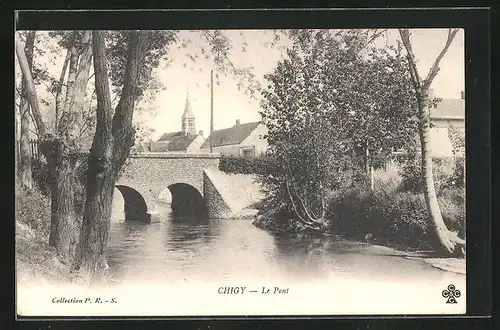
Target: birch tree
{"type": "Point", "coordinates": [448, 239]}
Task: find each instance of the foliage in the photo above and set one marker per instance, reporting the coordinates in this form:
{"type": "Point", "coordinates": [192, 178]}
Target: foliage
{"type": "Point", "coordinates": [393, 216]}
{"type": "Point", "coordinates": [457, 138]}
{"type": "Point", "coordinates": [324, 102]}
{"type": "Point", "coordinates": [240, 165]}
{"type": "Point", "coordinates": [117, 45]}
{"type": "Point", "coordinates": [447, 172]}
{"type": "Point", "coordinates": [33, 209]}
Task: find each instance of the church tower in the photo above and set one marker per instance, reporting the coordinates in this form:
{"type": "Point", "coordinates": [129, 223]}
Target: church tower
{"type": "Point", "coordinates": [188, 120]}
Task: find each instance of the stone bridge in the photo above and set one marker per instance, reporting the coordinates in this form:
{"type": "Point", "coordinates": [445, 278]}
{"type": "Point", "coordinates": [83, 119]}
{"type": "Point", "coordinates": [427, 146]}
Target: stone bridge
{"type": "Point", "coordinates": [146, 175]}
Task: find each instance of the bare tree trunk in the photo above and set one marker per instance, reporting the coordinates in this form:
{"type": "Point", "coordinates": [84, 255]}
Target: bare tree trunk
{"type": "Point", "coordinates": [59, 148]}
{"type": "Point", "coordinates": [111, 145]}
{"type": "Point", "coordinates": [368, 166]}
{"type": "Point", "coordinates": [447, 238]}
{"type": "Point", "coordinates": [59, 89]}
{"type": "Point", "coordinates": [24, 143]}
{"type": "Point", "coordinates": [63, 216]}
{"type": "Point", "coordinates": [30, 87]}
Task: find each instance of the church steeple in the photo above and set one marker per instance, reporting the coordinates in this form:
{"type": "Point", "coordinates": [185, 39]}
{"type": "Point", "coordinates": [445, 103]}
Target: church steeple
{"type": "Point", "coordinates": [188, 119]}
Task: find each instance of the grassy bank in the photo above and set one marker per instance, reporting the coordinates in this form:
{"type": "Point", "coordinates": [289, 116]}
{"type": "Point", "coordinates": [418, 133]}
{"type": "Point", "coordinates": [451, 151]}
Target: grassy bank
{"type": "Point", "coordinates": [393, 214]}
{"type": "Point", "coordinates": [36, 262]}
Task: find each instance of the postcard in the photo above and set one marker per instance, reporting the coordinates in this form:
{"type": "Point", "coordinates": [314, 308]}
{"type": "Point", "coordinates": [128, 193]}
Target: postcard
{"type": "Point", "coordinates": [240, 172]}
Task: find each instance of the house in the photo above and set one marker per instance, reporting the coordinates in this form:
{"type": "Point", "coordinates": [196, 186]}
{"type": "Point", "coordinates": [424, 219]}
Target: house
{"type": "Point", "coordinates": [448, 112]}
{"type": "Point", "coordinates": [240, 140]}
{"type": "Point", "coordinates": [186, 140]}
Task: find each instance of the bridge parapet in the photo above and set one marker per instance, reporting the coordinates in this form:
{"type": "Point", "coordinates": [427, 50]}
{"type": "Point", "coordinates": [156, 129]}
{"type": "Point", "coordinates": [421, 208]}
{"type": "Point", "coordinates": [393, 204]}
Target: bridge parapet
{"type": "Point", "coordinates": [170, 155]}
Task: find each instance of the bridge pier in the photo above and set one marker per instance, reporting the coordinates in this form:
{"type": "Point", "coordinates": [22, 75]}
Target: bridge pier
{"type": "Point", "coordinates": [154, 216]}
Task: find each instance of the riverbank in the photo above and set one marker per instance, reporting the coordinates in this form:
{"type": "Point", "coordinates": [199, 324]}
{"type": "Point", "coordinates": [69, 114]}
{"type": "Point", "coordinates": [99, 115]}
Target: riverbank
{"type": "Point", "coordinates": [280, 223]}
{"type": "Point", "coordinates": [37, 262]}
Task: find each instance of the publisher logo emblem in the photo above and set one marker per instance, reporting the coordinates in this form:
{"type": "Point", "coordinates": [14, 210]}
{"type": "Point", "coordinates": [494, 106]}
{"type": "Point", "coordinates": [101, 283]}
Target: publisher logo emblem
{"type": "Point", "coordinates": [451, 293]}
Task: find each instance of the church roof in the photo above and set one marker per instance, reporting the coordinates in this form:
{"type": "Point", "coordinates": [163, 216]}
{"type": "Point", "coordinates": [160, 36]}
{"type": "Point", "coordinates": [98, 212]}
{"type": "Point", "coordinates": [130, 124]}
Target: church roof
{"type": "Point", "coordinates": [181, 143]}
{"type": "Point", "coordinates": [168, 136]}
{"type": "Point", "coordinates": [232, 135]}
{"type": "Point", "coordinates": [176, 143]}
{"type": "Point", "coordinates": [188, 112]}
{"type": "Point", "coordinates": [449, 108]}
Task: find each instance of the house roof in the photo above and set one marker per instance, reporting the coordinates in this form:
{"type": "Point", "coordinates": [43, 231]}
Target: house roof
{"type": "Point", "coordinates": [230, 136]}
{"type": "Point", "coordinates": [181, 143]}
{"type": "Point", "coordinates": [168, 136]}
{"type": "Point", "coordinates": [449, 108]}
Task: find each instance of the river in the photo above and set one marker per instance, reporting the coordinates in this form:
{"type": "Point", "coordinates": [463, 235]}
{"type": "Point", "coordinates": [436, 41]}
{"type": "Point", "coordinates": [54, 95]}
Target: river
{"type": "Point", "coordinates": [199, 249]}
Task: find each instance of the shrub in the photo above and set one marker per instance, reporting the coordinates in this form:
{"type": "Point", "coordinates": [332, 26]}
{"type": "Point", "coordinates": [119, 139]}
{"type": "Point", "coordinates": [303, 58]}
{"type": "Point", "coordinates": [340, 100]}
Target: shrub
{"type": "Point", "coordinates": [392, 218]}
{"type": "Point", "coordinates": [394, 215]}
{"type": "Point", "coordinates": [241, 165]}
{"type": "Point", "coordinates": [33, 209]}
{"type": "Point", "coordinates": [447, 171]}
{"type": "Point", "coordinates": [452, 203]}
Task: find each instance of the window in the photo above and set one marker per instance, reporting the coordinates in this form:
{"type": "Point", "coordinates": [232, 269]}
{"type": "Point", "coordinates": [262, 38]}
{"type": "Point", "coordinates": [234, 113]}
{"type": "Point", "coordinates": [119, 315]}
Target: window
{"type": "Point", "coordinates": [248, 152]}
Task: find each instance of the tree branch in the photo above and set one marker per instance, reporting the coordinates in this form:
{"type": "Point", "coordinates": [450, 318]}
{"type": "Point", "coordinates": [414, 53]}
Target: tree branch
{"type": "Point", "coordinates": [374, 36]}
{"type": "Point", "coordinates": [30, 86]}
{"type": "Point", "coordinates": [103, 109]}
{"type": "Point", "coordinates": [405, 37]}
{"type": "Point", "coordinates": [435, 67]}
{"type": "Point", "coordinates": [294, 206]}
{"type": "Point", "coordinates": [60, 84]}
{"type": "Point", "coordinates": [122, 129]}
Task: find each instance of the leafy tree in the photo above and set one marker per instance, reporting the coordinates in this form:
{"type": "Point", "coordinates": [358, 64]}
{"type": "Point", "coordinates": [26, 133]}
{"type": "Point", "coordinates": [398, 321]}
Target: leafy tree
{"type": "Point", "coordinates": [331, 96]}
{"type": "Point", "coordinates": [448, 239]}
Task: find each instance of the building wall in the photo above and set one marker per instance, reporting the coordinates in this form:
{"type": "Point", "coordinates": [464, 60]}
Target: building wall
{"type": "Point", "coordinates": [439, 139]}
{"type": "Point", "coordinates": [194, 147]}
{"type": "Point", "coordinates": [229, 150]}
{"type": "Point", "coordinates": [255, 139]}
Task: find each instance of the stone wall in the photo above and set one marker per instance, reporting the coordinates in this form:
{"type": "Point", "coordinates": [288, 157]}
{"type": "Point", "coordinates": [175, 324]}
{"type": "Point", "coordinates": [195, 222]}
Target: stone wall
{"type": "Point", "coordinates": [150, 173]}
{"type": "Point", "coordinates": [217, 207]}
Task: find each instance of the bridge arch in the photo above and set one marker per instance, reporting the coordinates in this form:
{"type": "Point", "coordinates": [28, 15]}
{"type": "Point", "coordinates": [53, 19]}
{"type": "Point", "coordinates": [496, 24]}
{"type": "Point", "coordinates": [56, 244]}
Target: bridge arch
{"type": "Point", "coordinates": [135, 206]}
{"type": "Point", "coordinates": [186, 199]}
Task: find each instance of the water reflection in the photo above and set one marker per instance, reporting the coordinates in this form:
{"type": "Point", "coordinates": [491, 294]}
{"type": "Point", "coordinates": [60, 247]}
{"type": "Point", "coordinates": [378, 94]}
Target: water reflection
{"type": "Point", "coordinates": [183, 230]}
{"type": "Point", "coordinates": [193, 248]}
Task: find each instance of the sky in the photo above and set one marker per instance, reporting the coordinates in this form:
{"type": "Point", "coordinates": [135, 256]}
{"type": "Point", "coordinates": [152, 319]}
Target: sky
{"type": "Point", "coordinates": [231, 104]}
{"type": "Point", "coordinates": [179, 75]}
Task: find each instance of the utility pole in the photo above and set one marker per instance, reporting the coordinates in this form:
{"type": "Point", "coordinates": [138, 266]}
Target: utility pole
{"type": "Point", "coordinates": [211, 107]}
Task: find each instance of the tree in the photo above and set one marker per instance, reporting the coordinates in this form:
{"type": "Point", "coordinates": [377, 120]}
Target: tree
{"type": "Point", "coordinates": [111, 145]}
{"type": "Point", "coordinates": [330, 96]}
{"type": "Point", "coordinates": [24, 143]}
{"type": "Point", "coordinates": [59, 147]}
{"type": "Point", "coordinates": [448, 239]}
